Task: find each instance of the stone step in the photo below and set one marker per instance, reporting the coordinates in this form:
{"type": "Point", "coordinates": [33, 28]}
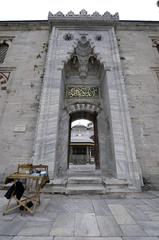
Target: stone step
{"type": "Point", "coordinates": [57, 185]}
{"type": "Point", "coordinates": [85, 189]}
{"type": "Point", "coordinates": [87, 185]}
{"type": "Point", "coordinates": [84, 174]}
{"type": "Point", "coordinates": [115, 185]}
{"type": "Point", "coordinates": [85, 180]}
{"type": "Point", "coordinates": [115, 182]}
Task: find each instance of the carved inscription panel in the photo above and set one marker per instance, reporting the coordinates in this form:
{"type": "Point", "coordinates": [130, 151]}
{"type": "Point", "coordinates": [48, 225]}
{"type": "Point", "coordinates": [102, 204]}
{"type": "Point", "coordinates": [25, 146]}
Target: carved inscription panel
{"type": "Point", "coordinates": [82, 92]}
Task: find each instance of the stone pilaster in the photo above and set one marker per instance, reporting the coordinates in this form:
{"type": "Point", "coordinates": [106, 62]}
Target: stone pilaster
{"type": "Point", "coordinates": [124, 153]}
{"type": "Point", "coordinates": [47, 125]}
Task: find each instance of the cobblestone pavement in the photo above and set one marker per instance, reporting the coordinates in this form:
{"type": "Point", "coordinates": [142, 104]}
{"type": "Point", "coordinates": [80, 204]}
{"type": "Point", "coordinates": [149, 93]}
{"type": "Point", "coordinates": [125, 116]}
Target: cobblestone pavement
{"type": "Point", "coordinates": [85, 217]}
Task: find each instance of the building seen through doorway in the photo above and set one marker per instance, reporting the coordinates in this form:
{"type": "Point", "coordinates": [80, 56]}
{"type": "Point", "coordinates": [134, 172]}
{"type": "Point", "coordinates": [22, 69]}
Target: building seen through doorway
{"type": "Point", "coordinates": [82, 144]}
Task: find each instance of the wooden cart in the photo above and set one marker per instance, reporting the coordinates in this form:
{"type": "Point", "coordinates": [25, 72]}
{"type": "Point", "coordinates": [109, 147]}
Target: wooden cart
{"type": "Point", "coordinates": [33, 178]}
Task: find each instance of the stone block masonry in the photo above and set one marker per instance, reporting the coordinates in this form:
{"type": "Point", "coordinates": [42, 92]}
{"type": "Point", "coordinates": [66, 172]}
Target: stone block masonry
{"type": "Point", "coordinates": [35, 75]}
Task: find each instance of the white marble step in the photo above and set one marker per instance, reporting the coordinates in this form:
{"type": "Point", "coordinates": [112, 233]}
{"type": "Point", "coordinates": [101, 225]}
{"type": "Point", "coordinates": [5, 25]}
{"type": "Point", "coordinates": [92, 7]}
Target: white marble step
{"type": "Point", "coordinates": [85, 180]}
{"type": "Point", "coordinates": [87, 185]}
{"type": "Point", "coordinates": [84, 173]}
{"type": "Point", "coordinates": [116, 185]}
{"type": "Point", "coordinates": [115, 182]}
{"type": "Point", "coordinates": [85, 189]}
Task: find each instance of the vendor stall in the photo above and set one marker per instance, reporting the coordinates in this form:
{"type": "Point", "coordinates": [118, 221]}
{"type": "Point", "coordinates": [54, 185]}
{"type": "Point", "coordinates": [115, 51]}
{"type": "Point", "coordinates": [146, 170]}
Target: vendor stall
{"type": "Point", "coordinates": [27, 182]}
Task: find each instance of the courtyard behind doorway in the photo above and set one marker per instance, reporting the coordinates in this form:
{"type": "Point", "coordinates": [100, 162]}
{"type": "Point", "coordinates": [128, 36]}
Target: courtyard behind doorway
{"type": "Point", "coordinates": [83, 153]}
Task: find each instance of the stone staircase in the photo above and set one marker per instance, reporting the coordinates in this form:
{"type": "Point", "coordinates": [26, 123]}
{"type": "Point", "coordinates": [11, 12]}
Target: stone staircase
{"type": "Point", "coordinates": [85, 185]}
{"type": "Point", "coordinates": [86, 181]}
{"type": "Point", "coordinates": [82, 184]}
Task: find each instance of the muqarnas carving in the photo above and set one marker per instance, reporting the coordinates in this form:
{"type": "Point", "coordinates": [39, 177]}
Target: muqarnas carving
{"type": "Point", "coordinates": [83, 59]}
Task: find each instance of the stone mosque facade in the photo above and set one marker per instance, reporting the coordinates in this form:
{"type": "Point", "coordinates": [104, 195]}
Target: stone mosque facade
{"type": "Point", "coordinates": [81, 66]}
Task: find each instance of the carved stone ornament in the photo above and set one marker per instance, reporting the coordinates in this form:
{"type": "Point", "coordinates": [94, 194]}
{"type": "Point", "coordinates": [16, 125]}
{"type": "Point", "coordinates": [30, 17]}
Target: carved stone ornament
{"type": "Point", "coordinates": [83, 52]}
{"type": "Point", "coordinates": [83, 12]}
{"type": "Point", "coordinates": [58, 14]}
{"type": "Point", "coordinates": [6, 39]}
{"type": "Point", "coordinates": [83, 47]}
{"type": "Point", "coordinates": [85, 92]}
{"type": "Point", "coordinates": [83, 59]}
{"type": "Point", "coordinates": [98, 37]}
{"type": "Point", "coordinates": [96, 14]}
{"type": "Point", "coordinates": [4, 76]}
{"type": "Point", "coordinates": [155, 42]}
{"type": "Point", "coordinates": [50, 15]}
{"type": "Point", "coordinates": [87, 107]}
{"type": "Point", "coordinates": [107, 17]}
{"type": "Point", "coordinates": [70, 13]}
{"type": "Point", "coordinates": [68, 36]}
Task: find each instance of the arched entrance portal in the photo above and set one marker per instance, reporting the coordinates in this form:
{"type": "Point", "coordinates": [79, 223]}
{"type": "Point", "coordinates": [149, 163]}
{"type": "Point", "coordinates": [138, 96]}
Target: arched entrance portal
{"type": "Point", "coordinates": [89, 83]}
{"type": "Point", "coordinates": [83, 142]}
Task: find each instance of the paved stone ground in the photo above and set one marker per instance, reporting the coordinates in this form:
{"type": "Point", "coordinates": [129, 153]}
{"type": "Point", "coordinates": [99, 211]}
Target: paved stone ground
{"type": "Point", "coordinates": [99, 217]}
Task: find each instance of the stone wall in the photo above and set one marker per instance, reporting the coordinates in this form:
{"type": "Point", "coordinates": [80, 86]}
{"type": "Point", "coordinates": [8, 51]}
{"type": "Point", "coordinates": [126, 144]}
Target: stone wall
{"type": "Point", "coordinates": [20, 100]}
{"type": "Point", "coordinates": [140, 62]}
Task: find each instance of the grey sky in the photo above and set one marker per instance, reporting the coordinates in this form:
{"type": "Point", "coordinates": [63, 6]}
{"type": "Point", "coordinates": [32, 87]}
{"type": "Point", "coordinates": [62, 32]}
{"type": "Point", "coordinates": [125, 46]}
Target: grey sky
{"type": "Point", "coordinates": [38, 9]}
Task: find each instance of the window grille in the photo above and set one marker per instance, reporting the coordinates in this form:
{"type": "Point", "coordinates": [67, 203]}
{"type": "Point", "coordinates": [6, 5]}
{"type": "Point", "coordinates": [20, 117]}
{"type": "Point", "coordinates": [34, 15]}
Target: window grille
{"type": "Point", "coordinates": [3, 51]}
{"type": "Point", "coordinates": [79, 150]}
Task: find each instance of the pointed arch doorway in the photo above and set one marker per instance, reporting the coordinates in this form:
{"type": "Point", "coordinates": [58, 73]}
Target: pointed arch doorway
{"type": "Point", "coordinates": [79, 150]}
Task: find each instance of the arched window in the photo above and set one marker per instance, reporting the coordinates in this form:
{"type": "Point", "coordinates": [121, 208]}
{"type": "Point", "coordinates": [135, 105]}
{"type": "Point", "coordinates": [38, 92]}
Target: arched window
{"type": "Point", "coordinates": [3, 50]}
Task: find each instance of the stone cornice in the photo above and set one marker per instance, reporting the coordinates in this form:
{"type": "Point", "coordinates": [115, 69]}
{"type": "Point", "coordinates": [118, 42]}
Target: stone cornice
{"type": "Point", "coordinates": [24, 25]}
{"type": "Point", "coordinates": [128, 25]}
{"type": "Point", "coordinates": [82, 18]}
